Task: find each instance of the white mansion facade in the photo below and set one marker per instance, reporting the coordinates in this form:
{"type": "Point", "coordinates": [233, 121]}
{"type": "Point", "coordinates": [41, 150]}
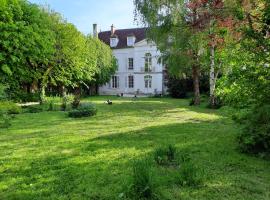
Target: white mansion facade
{"type": "Point", "coordinates": [138, 69]}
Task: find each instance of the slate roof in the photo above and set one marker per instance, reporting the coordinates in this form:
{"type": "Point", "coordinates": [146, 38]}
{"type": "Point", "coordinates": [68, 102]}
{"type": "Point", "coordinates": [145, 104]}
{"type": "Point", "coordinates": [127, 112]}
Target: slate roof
{"type": "Point", "coordinates": [122, 34]}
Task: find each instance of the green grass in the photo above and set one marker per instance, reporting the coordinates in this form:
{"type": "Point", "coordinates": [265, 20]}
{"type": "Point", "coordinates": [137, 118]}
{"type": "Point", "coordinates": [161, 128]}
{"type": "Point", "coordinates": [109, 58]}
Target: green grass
{"type": "Point", "coordinates": [50, 156]}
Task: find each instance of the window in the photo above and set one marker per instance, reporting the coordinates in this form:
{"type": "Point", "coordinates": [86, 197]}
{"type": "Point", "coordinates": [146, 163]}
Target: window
{"type": "Point", "coordinates": [130, 41]}
{"type": "Point", "coordinates": [115, 81]}
{"type": "Point", "coordinates": [130, 63]}
{"type": "Point", "coordinates": [148, 62]}
{"type": "Point", "coordinates": [113, 42]}
{"type": "Point", "coordinates": [130, 81]}
{"type": "Point", "coordinates": [148, 81]}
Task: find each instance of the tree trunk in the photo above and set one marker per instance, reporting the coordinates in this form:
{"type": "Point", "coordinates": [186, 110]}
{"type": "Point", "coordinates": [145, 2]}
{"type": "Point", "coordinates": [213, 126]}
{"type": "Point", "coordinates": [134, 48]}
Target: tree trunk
{"type": "Point", "coordinates": [42, 95]}
{"type": "Point", "coordinates": [97, 89]}
{"type": "Point", "coordinates": [77, 98]}
{"type": "Point", "coordinates": [212, 80]}
{"type": "Point", "coordinates": [64, 98]}
{"type": "Point", "coordinates": [63, 91]}
{"type": "Point", "coordinates": [196, 84]}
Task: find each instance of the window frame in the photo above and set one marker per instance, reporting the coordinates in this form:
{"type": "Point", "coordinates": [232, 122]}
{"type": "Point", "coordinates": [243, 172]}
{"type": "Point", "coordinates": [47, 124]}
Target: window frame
{"type": "Point", "coordinates": [130, 60]}
{"type": "Point", "coordinates": [148, 81]}
{"type": "Point", "coordinates": [148, 62]}
{"type": "Point", "coordinates": [115, 82]}
{"type": "Point", "coordinates": [130, 81]}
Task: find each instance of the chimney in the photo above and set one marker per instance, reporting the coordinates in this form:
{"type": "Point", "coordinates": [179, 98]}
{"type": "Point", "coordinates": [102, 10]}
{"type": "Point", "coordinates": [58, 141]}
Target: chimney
{"type": "Point", "coordinates": [112, 29]}
{"type": "Point", "coordinates": [95, 31]}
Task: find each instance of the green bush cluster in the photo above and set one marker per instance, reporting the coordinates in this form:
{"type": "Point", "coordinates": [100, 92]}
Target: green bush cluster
{"type": "Point", "coordinates": [255, 137]}
{"type": "Point", "coordinates": [84, 110]}
{"type": "Point", "coordinates": [7, 108]}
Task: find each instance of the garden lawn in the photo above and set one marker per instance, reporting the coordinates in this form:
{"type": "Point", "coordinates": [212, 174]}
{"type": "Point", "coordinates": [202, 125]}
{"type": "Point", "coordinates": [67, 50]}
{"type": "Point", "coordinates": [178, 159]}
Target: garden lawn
{"type": "Point", "coordinates": [50, 156]}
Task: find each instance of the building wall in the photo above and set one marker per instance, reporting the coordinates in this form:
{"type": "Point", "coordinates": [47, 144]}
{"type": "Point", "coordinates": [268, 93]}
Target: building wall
{"type": "Point", "coordinates": [137, 53]}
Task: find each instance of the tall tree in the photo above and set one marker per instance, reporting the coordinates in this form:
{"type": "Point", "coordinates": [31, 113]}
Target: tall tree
{"type": "Point", "coordinates": [175, 27]}
{"type": "Point", "coordinates": [26, 43]}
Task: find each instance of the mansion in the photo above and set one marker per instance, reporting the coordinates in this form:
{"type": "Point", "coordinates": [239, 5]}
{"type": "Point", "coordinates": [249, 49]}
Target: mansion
{"type": "Point", "coordinates": [139, 72]}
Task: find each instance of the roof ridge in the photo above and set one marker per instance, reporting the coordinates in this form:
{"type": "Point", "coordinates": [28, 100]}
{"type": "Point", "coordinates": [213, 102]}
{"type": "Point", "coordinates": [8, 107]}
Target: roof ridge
{"type": "Point", "coordinates": [124, 29]}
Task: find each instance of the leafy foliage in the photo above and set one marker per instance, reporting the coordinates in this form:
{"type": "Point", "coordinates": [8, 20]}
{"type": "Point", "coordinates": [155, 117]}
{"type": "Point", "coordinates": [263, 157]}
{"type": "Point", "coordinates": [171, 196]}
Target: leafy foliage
{"type": "Point", "coordinates": [255, 137]}
{"type": "Point", "coordinates": [40, 48]}
{"type": "Point", "coordinates": [84, 110]}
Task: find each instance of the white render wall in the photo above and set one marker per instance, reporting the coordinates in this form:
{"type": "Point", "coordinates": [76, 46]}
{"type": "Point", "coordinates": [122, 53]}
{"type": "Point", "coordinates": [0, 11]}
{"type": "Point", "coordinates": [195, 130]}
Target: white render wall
{"type": "Point", "coordinates": [137, 53]}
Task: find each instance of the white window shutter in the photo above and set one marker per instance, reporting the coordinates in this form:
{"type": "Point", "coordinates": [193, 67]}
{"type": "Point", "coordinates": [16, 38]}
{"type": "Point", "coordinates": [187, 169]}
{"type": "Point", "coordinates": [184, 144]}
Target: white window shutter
{"type": "Point", "coordinates": [126, 82]}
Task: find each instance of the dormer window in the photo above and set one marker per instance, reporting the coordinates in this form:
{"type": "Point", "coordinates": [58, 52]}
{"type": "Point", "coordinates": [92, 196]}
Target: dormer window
{"type": "Point", "coordinates": [113, 41]}
{"type": "Point", "coordinates": [131, 40]}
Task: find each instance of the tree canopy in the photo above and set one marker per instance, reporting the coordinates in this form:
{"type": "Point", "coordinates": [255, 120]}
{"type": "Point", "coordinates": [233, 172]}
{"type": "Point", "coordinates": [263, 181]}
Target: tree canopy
{"type": "Point", "coordinates": [39, 48]}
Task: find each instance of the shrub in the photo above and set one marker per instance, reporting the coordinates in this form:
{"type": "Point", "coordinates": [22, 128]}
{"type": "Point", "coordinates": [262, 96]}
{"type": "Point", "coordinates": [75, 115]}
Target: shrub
{"type": "Point", "coordinates": [142, 184]}
{"type": "Point", "coordinates": [24, 96]}
{"type": "Point", "coordinates": [255, 137]}
{"type": "Point", "coordinates": [84, 110]}
{"type": "Point", "coordinates": [66, 101]}
{"type": "Point", "coordinates": [5, 120]}
{"type": "Point", "coordinates": [189, 175]}
{"type": "Point", "coordinates": [165, 156]}
{"type": "Point", "coordinates": [34, 109]}
{"type": "Point", "coordinates": [9, 107]}
{"type": "Point", "coordinates": [3, 92]}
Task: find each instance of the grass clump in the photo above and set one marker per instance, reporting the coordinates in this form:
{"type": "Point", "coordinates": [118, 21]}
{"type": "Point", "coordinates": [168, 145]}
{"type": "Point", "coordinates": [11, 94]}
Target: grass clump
{"type": "Point", "coordinates": [84, 110]}
{"type": "Point", "coordinates": [142, 183]}
{"type": "Point", "coordinates": [165, 156]}
{"type": "Point", "coordinates": [189, 174]}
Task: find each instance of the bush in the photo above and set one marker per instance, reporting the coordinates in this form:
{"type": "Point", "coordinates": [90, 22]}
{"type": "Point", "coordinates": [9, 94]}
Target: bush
{"type": "Point", "coordinates": [189, 175]}
{"type": "Point", "coordinates": [4, 120]}
{"type": "Point", "coordinates": [34, 109]}
{"type": "Point", "coordinates": [255, 137]}
{"type": "Point", "coordinates": [165, 156]}
{"type": "Point", "coordinates": [66, 101]}
{"type": "Point", "coordinates": [84, 110]}
{"type": "Point", "coordinates": [177, 87]}
{"type": "Point", "coordinates": [3, 94]}
{"type": "Point", "coordinates": [9, 107]}
{"type": "Point", "coordinates": [142, 184]}
{"type": "Point", "coordinates": [23, 96]}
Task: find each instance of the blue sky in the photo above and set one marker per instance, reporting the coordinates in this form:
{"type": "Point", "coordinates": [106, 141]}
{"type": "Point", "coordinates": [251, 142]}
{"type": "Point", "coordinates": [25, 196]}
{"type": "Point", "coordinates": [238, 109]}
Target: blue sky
{"type": "Point", "coordinates": [83, 13]}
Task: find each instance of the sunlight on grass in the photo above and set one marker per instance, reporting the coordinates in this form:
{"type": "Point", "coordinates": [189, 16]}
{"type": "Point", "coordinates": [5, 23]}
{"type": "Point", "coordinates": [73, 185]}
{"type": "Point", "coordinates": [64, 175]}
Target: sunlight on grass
{"type": "Point", "coordinates": [50, 156]}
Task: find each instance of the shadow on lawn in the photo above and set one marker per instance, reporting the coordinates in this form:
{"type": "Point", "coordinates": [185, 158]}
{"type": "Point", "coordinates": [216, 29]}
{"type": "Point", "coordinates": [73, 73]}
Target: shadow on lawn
{"type": "Point", "coordinates": [59, 175]}
{"type": "Point", "coordinates": [105, 162]}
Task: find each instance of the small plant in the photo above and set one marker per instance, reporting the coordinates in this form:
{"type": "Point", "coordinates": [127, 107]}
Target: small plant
{"type": "Point", "coordinates": [142, 184]}
{"type": "Point", "coordinates": [51, 106]}
{"type": "Point", "coordinates": [189, 175]}
{"type": "Point", "coordinates": [9, 107]}
{"type": "Point", "coordinates": [165, 156]}
{"type": "Point", "coordinates": [5, 120]}
{"type": "Point", "coordinates": [84, 110]}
